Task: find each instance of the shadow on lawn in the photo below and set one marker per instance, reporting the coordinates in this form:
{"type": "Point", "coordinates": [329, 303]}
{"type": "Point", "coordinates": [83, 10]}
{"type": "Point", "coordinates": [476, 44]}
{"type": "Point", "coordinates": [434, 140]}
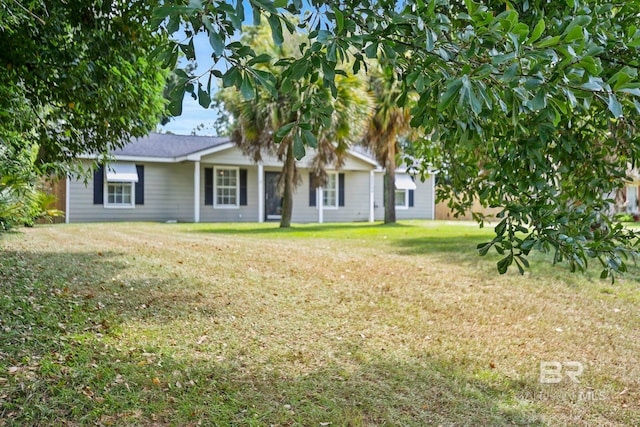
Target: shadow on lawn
{"type": "Point", "coordinates": [382, 391]}
{"type": "Point", "coordinates": [64, 311]}
{"type": "Point", "coordinates": [434, 245]}
{"type": "Point", "coordinates": [303, 229]}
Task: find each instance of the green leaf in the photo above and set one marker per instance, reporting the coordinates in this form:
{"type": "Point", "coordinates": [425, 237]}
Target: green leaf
{"type": "Point", "coordinates": [324, 36]}
{"type": "Point", "coordinates": [497, 60]}
{"type": "Point", "coordinates": [216, 43]}
{"type": "Point", "coordinates": [229, 78]}
{"type": "Point", "coordinates": [483, 248]}
{"type": "Point", "coordinates": [160, 14]}
{"type": "Point", "coordinates": [298, 146]}
{"type": "Point", "coordinates": [372, 51]}
{"type": "Point", "coordinates": [331, 52]}
{"type": "Point", "coordinates": [240, 12]}
{"type": "Point", "coordinates": [527, 244]}
{"type": "Point", "coordinates": [247, 89]}
{"type": "Point", "coordinates": [604, 274]}
{"type": "Point", "coordinates": [189, 50]}
{"type": "Point", "coordinates": [576, 33]}
{"type": "Point", "coordinates": [548, 42]}
{"type": "Point", "coordinates": [476, 103]}
{"type": "Point", "coordinates": [632, 91]}
{"type": "Point", "coordinates": [283, 132]}
{"type": "Point", "coordinates": [257, 16]}
{"type": "Point", "coordinates": [276, 29]}
{"type": "Point", "coordinates": [539, 101]}
{"type": "Point", "coordinates": [203, 97]}
{"type": "Point", "coordinates": [453, 87]}
{"type": "Point", "coordinates": [589, 64]}
{"type": "Point", "coordinates": [594, 84]}
{"type": "Point", "coordinates": [174, 23]}
{"type": "Point", "coordinates": [339, 18]}
{"type": "Point", "coordinates": [267, 81]}
{"type": "Point", "coordinates": [176, 97]}
{"type": "Point", "coordinates": [260, 59]}
{"type": "Point", "coordinates": [309, 138]}
{"type": "Point", "coordinates": [614, 106]}
{"type": "Point", "coordinates": [523, 260]}
{"type": "Point", "coordinates": [520, 269]}
{"type": "Point", "coordinates": [504, 264]}
{"type": "Point", "coordinates": [431, 40]}
{"type": "Point", "coordinates": [537, 32]}
{"type": "Point", "coordinates": [298, 69]}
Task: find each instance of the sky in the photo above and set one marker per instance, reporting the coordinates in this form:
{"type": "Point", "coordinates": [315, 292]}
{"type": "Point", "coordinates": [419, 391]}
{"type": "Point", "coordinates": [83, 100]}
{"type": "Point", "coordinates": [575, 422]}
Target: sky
{"type": "Point", "coordinates": [192, 116]}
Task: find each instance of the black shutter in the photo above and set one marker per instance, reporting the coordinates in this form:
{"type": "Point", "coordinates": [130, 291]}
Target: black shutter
{"type": "Point", "coordinates": [140, 185]}
{"type": "Point", "coordinates": [98, 186]}
{"type": "Point", "coordinates": [312, 191]}
{"type": "Point", "coordinates": [208, 186]}
{"type": "Point", "coordinates": [411, 198]}
{"type": "Point", "coordinates": [243, 187]}
{"type": "Point", "coordinates": [341, 189]}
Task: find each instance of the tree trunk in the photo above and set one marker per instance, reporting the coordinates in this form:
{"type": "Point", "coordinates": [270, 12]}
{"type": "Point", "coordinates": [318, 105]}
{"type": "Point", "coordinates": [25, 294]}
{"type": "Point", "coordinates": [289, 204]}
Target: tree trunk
{"type": "Point", "coordinates": [390, 187]}
{"type": "Point", "coordinates": [287, 196]}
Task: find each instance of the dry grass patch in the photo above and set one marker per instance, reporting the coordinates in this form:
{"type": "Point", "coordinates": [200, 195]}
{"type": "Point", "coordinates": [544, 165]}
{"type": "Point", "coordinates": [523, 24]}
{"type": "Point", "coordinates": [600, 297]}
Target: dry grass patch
{"type": "Point", "coordinates": [348, 324]}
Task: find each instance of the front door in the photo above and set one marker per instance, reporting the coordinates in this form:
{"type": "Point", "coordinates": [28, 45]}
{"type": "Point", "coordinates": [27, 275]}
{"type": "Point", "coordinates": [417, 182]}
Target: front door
{"type": "Point", "coordinates": [272, 202]}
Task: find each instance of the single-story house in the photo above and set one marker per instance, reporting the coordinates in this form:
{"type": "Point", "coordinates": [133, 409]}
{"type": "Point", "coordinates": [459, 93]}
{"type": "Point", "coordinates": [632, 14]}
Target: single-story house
{"type": "Point", "coordinates": [165, 177]}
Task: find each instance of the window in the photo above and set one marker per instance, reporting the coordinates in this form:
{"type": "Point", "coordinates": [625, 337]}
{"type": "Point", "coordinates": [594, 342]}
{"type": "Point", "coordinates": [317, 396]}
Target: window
{"type": "Point", "coordinates": [119, 193]}
{"type": "Point", "coordinates": [330, 191]}
{"type": "Point", "coordinates": [402, 199]}
{"type": "Point", "coordinates": [405, 187]}
{"type": "Point", "coordinates": [226, 187]}
{"type": "Point", "coordinates": [119, 181]}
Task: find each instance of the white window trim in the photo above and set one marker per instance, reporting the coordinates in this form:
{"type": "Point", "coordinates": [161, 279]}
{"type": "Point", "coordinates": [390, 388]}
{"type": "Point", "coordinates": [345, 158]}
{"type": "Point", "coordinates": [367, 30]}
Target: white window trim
{"type": "Point", "coordinates": [215, 188]}
{"type": "Point", "coordinates": [324, 189]}
{"type": "Point", "coordinates": [406, 200]}
{"type": "Point", "coordinates": [105, 196]}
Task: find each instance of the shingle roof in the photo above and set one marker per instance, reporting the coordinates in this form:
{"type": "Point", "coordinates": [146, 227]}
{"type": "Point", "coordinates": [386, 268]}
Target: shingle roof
{"type": "Point", "coordinates": [169, 145]}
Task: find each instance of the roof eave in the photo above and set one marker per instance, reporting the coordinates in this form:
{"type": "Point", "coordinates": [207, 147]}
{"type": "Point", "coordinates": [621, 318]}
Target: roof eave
{"type": "Point", "coordinates": [198, 155]}
{"type": "Point", "coordinates": [134, 158]}
{"type": "Point", "coordinates": [364, 158]}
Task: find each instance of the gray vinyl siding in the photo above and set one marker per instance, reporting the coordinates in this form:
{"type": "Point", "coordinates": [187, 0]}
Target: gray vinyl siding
{"type": "Point", "coordinates": [248, 213]}
{"type": "Point", "coordinates": [423, 207]}
{"type": "Point", "coordinates": [168, 195]}
{"type": "Point", "coordinates": [356, 200]}
{"type": "Point", "coordinates": [230, 157]}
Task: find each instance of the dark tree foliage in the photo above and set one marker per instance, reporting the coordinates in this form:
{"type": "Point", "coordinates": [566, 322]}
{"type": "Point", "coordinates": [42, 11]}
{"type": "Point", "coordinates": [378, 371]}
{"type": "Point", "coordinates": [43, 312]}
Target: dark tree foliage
{"type": "Point", "coordinates": [77, 76]}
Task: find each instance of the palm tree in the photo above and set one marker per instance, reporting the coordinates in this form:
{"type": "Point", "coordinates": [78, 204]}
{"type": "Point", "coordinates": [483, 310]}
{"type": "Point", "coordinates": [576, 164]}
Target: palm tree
{"type": "Point", "coordinates": [387, 125]}
{"type": "Point", "coordinates": [257, 121]}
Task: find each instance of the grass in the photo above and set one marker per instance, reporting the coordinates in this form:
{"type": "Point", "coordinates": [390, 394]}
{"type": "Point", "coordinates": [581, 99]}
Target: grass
{"type": "Point", "coordinates": [338, 324]}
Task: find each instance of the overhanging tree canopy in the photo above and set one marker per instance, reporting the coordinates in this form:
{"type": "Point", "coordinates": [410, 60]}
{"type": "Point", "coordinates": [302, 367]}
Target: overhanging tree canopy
{"type": "Point", "coordinates": [77, 76]}
{"type": "Point", "coordinates": [531, 106]}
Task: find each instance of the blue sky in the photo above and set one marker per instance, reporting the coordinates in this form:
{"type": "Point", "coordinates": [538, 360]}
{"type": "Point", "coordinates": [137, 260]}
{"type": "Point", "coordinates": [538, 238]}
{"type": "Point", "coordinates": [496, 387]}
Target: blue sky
{"type": "Point", "coordinates": [192, 116]}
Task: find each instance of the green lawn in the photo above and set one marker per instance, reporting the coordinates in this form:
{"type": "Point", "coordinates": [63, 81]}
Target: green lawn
{"type": "Point", "coordinates": [331, 325]}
